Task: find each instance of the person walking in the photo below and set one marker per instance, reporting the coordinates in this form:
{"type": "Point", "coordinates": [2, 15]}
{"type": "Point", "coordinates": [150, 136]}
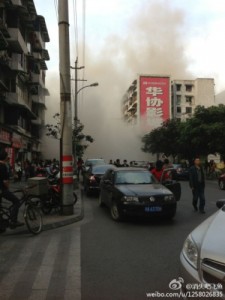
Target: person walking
{"type": "Point", "coordinates": [80, 165]}
{"type": "Point", "coordinates": [158, 172]}
{"type": "Point", "coordinates": [197, 185]}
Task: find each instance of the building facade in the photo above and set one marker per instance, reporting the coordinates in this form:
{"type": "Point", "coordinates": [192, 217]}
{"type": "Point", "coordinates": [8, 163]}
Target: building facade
{"type": "Point", "coordinates": [187, 94]}
{"type": "Point", "coordinates": [23, 35]}
{"type": "Point", "coordinates": [147, 102]}
{"type": "Point", "coordinates": [183, 98]}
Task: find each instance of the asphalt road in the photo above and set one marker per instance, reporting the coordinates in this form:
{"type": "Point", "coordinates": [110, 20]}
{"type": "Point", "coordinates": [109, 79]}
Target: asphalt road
{"type": "Point", "coordinates": [97, 258]}
{"type": "Point", "coordinates": [122, 261]}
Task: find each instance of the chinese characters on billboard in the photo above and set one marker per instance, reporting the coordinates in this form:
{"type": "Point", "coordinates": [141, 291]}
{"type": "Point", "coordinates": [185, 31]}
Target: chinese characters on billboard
{"type": "Point", "coordinates": [154, 101]}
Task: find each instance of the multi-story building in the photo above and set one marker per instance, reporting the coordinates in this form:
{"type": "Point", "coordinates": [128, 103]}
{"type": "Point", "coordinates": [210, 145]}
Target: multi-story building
{"type": "Point", "coordinates": [184, 96]}
{"type": "Point", "coordinates": [23, 35]}
{"type": "Point", "coordinates": [147, 101]}
{"type": "Point", "coordinates": [187, 94]}
{"type": "Point", "coordinates": [129, 105]}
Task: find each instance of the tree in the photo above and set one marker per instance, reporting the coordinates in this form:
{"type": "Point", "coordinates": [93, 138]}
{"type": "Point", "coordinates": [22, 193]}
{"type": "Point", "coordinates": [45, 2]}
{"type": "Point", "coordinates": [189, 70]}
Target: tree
{"type": "Point", "coordinates": [164, 139]}
{"type": "Point", "coordinates": [200, 135]}
{"type": "Point", "coordinates": [79, 139]}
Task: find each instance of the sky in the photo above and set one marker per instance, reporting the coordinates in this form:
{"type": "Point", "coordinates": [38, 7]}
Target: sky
{"type": "Point", "coordinates": [123, 38]}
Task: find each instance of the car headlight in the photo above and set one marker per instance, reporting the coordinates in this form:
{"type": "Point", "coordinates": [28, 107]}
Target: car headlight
{"type": "Point", "coordinates": [130, 199]}
{"type": "Point", "coordinates": [169, 198]}
{"type": "Point", "coordinates": [190, 252]}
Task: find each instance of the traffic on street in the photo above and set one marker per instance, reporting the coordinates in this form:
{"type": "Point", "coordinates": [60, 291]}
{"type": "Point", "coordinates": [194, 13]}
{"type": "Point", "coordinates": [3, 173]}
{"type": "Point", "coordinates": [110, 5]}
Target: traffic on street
{"type": "Point", "coordinates": [97, 258]}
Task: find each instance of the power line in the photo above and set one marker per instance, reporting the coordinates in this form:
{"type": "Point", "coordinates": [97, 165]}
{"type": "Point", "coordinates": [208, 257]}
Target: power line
{"type": "Point", "coordinates": [56, 8]}
{"type": "Point", "coordinates": [75, 25]}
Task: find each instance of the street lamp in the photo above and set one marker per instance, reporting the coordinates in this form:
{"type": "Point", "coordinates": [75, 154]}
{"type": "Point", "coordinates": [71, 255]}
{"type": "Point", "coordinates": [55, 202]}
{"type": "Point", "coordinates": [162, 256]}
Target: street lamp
{"type": "Point", "coordinates": [76, 117]}
{"type": "Point", "coordinates": [90, 85]}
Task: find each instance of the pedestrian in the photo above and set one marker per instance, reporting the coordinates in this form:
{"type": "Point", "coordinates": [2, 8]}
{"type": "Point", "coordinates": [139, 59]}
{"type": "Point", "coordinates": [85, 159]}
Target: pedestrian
{"type": "Point", "coordinates": [125, 164]}
{"type": "Point", "coordinates": [4, 188]}
{"type": "Point", "coordinates": [167, 164]}
{"type": "Point", "coordinates": [158, 171]}
{"type": "Point", "coordinates": [80, 165]}
{"type": "Point", "coordinates": [117, 163]}
{"type": "Point", "coordinates": [18, 171]}
{"type": "Point", "coordinates": [197, 185]}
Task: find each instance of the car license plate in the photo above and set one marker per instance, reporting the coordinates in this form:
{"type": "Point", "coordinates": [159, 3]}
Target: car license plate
{"type": "Point", "coordinates": [153, 209]}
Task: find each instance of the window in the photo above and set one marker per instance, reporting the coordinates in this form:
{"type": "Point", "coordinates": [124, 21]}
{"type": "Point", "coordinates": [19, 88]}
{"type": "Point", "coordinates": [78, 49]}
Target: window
{"type": "Point", "coordinates": [189, 110]}
{"type": "Point", "coordinates": [188, 88]}
{"type": "Point", "coordinates": [188, 99]}
{"type": "Point", "coordinates": [178, 87]}
{"type": "Point", "coordinates": [178, 100]}
{"type": "Point", "coordinates": [178, 109]}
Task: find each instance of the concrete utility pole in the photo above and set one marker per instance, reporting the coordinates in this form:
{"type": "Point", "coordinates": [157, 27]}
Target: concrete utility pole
{"type": "Point", "coordinates": [66, 158]}
{"type": "Point", "coordinates": [76, 109]}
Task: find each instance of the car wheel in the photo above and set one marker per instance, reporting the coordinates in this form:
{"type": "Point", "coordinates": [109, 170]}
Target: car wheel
{"type": "Point", "coordinates": [115, 212]}
{"type": "Point", "coordinates": [222, 185]}
{"type": "Point", "coordinates": [100, 202]}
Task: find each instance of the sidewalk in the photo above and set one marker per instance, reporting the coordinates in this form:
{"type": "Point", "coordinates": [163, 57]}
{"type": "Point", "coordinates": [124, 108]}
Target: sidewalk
{"type": "Point", "coordinates": [54, 219]}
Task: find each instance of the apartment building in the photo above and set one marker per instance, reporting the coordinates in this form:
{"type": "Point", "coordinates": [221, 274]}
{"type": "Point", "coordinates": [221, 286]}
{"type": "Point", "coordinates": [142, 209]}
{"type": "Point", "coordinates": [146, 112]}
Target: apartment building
{"type": "Point", "coordinates": [187, 94]}
{"type": "Point", "coordinates": [130, 104]}
{"type": "Point", "coordinates": [23, 57]}
{"type": "Point", "coordinates": [147, 101]}
{"type": "Point", "coordinates": [182, 99]}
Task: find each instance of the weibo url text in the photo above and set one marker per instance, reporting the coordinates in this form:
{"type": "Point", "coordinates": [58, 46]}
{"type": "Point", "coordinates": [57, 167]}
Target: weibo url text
{"type": "Point", "coordinates": [188, 294]}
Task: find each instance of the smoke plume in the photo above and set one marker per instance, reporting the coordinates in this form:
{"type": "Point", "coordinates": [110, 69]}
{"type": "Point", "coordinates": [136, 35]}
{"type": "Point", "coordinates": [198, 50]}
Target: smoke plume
{"type": "Point", "coordinates": [152, 43]}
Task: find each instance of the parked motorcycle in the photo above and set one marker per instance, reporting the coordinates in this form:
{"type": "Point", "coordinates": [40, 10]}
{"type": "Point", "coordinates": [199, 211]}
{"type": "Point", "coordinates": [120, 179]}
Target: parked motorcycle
{"type": "Point", "coordinates": [53, 200]}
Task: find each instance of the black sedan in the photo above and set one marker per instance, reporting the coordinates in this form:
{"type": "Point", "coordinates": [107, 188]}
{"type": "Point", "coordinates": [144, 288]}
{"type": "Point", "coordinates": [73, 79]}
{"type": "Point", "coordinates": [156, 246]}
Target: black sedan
{"type": "Point", "coordinates": [181, 172]}
{"type": "Point", "coordinates": [135, 192]}
{"type": "Point", "coordinates": [93, 176]}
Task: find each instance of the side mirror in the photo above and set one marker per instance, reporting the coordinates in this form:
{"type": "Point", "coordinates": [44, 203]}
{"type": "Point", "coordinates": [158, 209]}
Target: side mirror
{"type": "Point", "coordinates": [220, 203]}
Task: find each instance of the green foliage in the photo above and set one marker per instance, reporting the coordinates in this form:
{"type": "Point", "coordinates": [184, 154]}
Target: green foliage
{"type": "Point", "coordinates": [200, 135]}
{"type": "Point", "coordinates": [79, 139]}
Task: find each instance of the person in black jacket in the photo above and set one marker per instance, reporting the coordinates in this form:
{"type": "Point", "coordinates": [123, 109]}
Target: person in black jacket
{"type": "Point", "coordinates": [197, 184]}
{"type": "Point", "coordinates": [4, 189]}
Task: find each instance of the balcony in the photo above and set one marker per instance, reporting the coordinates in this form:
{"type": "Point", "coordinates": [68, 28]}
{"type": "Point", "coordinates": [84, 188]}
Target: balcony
{"type": "Point", "coordinates": [39, 100]}
{"type": "Point", "coordinates": [15, 64]}
{"type": "Point", "coordinates": [15, 99]}
{"type": "Point", "coordinates": [16, 41]}
{"type": "Point", "coordinates": [4, 59]}
{"type": "Point", "coordinates": [3, 42]}
{"type": "Point", "coordinates": [36, 41]}
{"type": "Point", "coordinates": [38, 122]}
{"type": "Point", "coordinates": [4, 28]}
{"type": "Point", "coordinates": [37, 79]}
{"type": "Point", "coordinates": [3, 87]}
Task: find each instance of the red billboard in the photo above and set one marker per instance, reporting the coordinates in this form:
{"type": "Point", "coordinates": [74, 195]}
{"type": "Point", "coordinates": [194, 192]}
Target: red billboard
{"type": "Point", "coordinates": [154, 101]}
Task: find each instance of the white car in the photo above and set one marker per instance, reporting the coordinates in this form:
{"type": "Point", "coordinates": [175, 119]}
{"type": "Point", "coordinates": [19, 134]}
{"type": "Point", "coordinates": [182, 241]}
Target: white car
{"type": "Point", "coordinates": [202, 259]}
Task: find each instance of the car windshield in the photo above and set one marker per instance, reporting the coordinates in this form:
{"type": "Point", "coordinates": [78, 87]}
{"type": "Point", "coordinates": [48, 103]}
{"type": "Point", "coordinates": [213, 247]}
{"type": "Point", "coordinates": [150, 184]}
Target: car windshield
{"type": "Point", "coordinates": [93, 162]}
{"type": "Point", "coordinates": [101, 169]}
{"type": "Point", "coordinates": [134, 177]}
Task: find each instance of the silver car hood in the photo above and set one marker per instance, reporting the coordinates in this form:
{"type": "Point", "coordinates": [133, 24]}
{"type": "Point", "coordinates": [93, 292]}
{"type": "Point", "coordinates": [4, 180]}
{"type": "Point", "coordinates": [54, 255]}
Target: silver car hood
{"type": "Point", "coordinates": [212, 244]}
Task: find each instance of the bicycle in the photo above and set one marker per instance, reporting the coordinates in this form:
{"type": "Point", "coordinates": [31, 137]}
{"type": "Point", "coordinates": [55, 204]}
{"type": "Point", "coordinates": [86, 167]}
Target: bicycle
{"type": "Point", "coordinates": [31, 214]}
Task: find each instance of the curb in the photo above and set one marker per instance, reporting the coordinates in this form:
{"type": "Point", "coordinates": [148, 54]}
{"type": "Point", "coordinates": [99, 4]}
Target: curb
{"type": "Point", "coordinates": [55, 224]}
{"type": "Point", "coordinates": [68, 221]}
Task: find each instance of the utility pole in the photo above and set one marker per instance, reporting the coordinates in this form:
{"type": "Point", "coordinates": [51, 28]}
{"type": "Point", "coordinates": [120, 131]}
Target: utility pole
{"type": "Point", "coordinates": [66, 158]}
{"type": "Point", "coordinates": [76, 109]}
